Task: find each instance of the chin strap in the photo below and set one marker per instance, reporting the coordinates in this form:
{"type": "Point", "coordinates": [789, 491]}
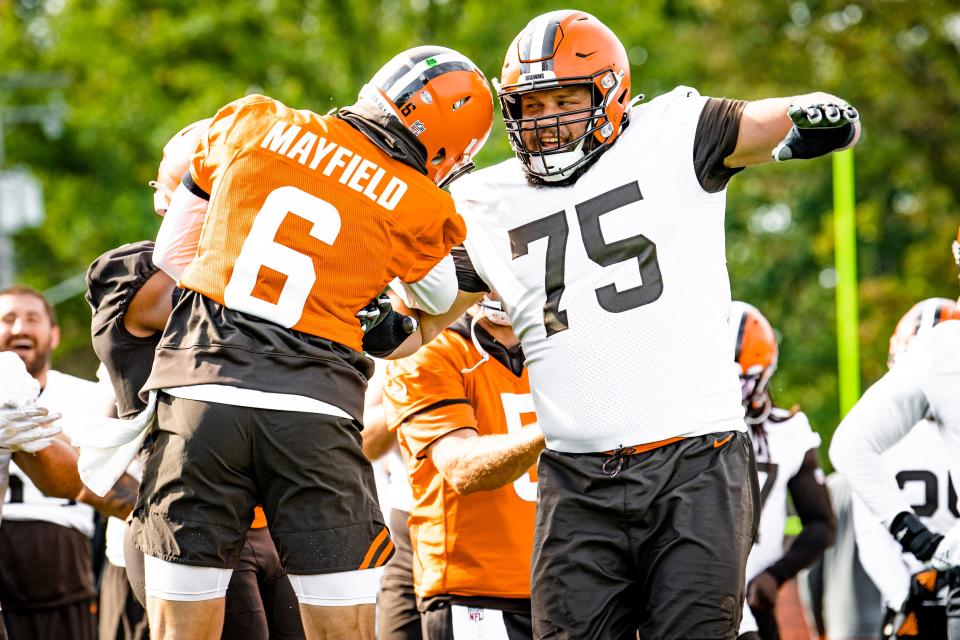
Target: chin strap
{"type": "Point", "coordinates": [476, 343]}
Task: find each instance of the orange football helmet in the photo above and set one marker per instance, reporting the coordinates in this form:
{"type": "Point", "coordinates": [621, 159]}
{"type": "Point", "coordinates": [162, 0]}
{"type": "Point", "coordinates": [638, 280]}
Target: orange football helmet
{"type": "Point", "coordinates": [755, 352]}
{"type": "Point", "coordinates": [920, 317]}
{"type": "Point", "coordinates": [557, 49]}
{"type": "Point", "coordinates": [177, 154]}
{"type": "Point", "coordinates": [443, 99]}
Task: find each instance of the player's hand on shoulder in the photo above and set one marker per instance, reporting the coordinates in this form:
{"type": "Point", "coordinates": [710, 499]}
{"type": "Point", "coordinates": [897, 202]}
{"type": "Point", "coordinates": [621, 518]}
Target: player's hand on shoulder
{"type": "Point", "coordinates": [28, 430]}
{"type": "Point", "coordinates": [821, 123]}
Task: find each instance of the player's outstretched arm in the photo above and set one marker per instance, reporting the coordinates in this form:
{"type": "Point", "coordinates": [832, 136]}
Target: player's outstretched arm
{"type": "Point", "coordinates": [799, 127]}
{"type": "Point", "coordinates": [471, 462]}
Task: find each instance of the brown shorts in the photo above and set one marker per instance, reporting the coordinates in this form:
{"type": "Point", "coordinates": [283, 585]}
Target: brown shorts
{"type": "Point", "coordinates": [655, 542]}
{"type": "Point", "coordinates": [210, 464]}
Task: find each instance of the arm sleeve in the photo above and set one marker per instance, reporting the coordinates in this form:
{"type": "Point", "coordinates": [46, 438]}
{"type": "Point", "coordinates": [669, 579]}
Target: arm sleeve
{"type": "Point", "coordinates": [434, 292]}
{"type": "Point", "coordinates": [424, 398]}
{"type": "Point", "coordinates": [179, 233]}
{"type": "Point", "coordinates": [812, 502]}
{"type": "Point", "coordinates": [885, 413]}
{"type": "Point", "coordinates": [716, 138]}
{"type": "Point", "coordinates": [467, 277]}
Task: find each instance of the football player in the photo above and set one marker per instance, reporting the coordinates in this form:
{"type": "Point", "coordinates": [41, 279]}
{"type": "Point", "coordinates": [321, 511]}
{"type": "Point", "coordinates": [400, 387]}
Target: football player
{"type": "Point", "coordinates": [920, 466]}
{"type": "Point", "coordinates": [46, 594]}
{"type": "Point", "coordinates": [462, 411]}
{"type": "Point", "coordinates": [304, 218]}
{"type": "Point", "coordinates": [922, 383]}
{"type": "Point", "coordinates": [27, 435]}
{"type": "Point", "coordinates": [785, 448]}
{"type": "Point", "coordinates": [601, 236]}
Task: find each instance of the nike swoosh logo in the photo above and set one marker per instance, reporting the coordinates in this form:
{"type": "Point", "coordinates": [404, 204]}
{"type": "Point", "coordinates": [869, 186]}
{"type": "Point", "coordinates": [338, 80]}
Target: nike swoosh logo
{"type": "Point", "coordinates": [585, 55]}
{"type": "Point", "coordinates": [719, 443]}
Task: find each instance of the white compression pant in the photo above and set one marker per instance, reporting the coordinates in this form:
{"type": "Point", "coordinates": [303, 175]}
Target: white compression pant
{"type": "Point", "coordinates": [342, 589]}
{"type": "Point", "coordinates": [180, 582]}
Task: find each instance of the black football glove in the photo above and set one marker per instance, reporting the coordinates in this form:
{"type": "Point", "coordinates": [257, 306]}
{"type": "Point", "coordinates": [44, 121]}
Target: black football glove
{"type": "Point", "coordinates": [817, 130]}
{"type": "Point", "coordinates": [375, 312]}
{"type": "Point", "coordinates": [914, 537]}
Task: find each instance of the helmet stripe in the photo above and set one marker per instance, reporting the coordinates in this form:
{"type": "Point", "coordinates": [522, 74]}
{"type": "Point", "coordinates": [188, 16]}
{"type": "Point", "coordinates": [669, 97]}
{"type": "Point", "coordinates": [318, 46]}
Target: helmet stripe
{"type": "Point", "coordinates": [431, 64]}
{"type": "Point", "coordinates": [401, 95]}
{"type": "Point", "coordinates": [404, 66]}
{"type": "Point", "coordinates": [543, 33]}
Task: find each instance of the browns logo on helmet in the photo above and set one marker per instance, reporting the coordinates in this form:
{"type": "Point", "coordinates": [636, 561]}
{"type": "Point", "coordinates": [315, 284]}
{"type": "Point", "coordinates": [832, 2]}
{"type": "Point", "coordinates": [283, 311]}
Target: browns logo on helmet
{"type": "Point", "coordinates": [443, 100]}
{"type": "Point", "coordinates": [755, 352]}
{"type": "Point", "coordinates": [921, 316]}
{"type": "Point", "coordinates": [560, 49]}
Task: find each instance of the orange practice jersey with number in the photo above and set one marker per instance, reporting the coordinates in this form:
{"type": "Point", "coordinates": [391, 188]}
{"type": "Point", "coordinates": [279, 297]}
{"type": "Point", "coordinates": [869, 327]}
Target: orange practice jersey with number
{"type": "Point", "coordinates": [308, 220]}
{"type": "Point", "coordinates": [478, 544]}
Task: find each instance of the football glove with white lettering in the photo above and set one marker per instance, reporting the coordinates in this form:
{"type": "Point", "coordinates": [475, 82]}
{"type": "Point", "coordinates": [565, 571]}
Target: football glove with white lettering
{"type": "Point", "coordinates": [28, 430]}
{"type": "Point", "coordinates": [818, 129]}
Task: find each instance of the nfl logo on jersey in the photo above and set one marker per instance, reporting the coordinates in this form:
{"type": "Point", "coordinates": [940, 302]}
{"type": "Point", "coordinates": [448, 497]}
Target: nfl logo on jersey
{"type": "Point", "coordinates": [475, 615]}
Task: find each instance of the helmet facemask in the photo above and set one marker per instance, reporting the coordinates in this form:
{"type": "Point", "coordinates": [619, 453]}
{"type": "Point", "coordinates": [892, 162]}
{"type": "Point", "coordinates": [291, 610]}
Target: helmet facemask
{"type": "Point", "coordinates": [754, 395]}
{"type": "Point", "coordinates": [556, 164]}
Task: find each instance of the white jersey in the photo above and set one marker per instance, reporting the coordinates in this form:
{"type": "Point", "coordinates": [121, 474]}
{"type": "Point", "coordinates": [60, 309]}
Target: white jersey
{"type": "Point", "coordinates": [69, 396]}
{"type": "Point", "coordinates": [616, 286]}
{"type": "Point", "coordinates": [920, 466]}
{"type": "Point", "coordinates": [925, 381]}
{"type": "Point", "coordinates": [779, 457]}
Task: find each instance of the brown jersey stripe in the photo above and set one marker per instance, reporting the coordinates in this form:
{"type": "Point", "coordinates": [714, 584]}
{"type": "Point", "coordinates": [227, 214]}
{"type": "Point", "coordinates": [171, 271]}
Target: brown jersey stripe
{"type": "Point", "coordinates": [436, 405]}
{"type": "Point", "coordinates": [375, 546]}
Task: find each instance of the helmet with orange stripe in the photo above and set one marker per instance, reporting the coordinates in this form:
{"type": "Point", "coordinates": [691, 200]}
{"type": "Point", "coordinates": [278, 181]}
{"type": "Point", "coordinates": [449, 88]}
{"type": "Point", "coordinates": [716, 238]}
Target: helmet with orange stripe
{"type": "Point", "coordinates": [442, 99]}
{"type": "Point", "coordinates": [755, 352]}
{"type": "Point", "coordinates": [177, 154]}
{"type": "Point", "coordinates": [921, 316]}
{"type": "Point", "coordinates": [564, 50]}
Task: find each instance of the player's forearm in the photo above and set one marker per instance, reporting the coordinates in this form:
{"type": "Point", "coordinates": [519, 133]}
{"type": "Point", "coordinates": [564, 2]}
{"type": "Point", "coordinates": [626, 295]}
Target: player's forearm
{"type": "Point", "coordinates": [490, 462]}
{"type": "Point", "coordinates": [885, 413]}
{"type": "Point", "coordinates": [53, 470]}
{"type": "Point", "coordinates": [118, 502]}
{"type": "Point", "coordinates": [764, 123]}
{"type": "Point", "coordinates": [431, 326]}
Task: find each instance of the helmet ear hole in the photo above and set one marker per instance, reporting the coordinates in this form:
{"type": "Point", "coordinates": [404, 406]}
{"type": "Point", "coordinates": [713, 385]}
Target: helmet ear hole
{"type": "Point", "coordinates": [437, 159]}
{"type": "Point", "coordinates": [459, 103]}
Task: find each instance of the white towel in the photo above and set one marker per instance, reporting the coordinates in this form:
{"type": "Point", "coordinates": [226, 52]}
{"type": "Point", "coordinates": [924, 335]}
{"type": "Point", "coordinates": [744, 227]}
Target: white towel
{"type": "Point", "coordinates": [20, 389]}
{"type": "Point", "coordinates": [107, 445]}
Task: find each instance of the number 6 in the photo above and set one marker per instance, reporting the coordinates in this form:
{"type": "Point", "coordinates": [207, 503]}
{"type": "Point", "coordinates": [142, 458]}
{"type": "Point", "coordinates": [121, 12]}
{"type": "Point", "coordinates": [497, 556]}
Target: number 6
{"type": "Point", "coordinates": [260, 250]}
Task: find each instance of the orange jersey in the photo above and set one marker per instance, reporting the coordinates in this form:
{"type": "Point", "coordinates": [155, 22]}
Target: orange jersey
{"type": "Point", "coordinates": [479, 544]}
{"type": "Point", "coordinates": [308, 220]}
